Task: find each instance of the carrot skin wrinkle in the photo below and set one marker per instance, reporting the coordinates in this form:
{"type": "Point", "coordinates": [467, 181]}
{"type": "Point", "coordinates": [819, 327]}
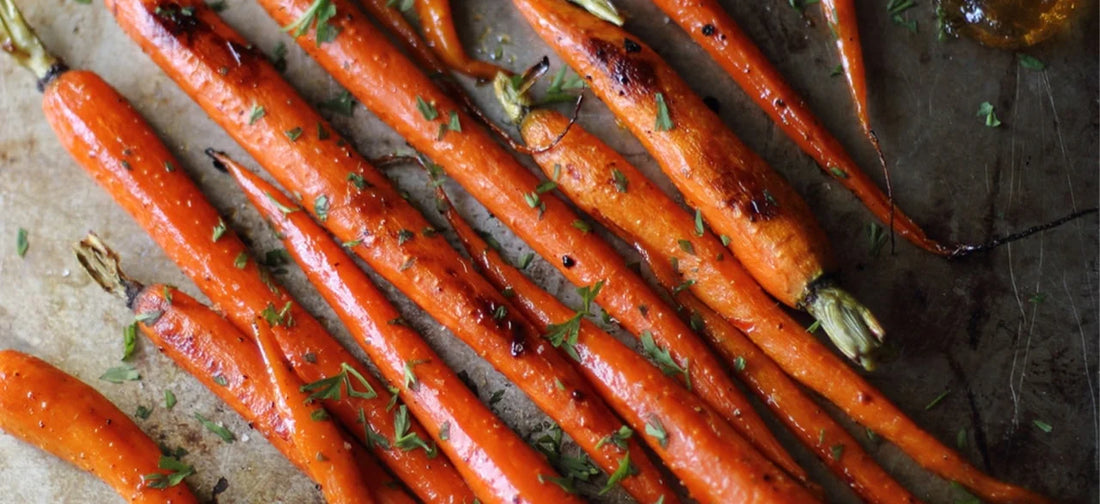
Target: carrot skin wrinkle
{"type": "Point", "coordinates": [44, 406]}
{"type": "Point", "coordinates": [121, 152]}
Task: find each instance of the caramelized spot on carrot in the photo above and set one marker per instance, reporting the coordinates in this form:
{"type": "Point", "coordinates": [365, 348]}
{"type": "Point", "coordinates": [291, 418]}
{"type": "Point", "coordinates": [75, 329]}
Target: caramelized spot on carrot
{"type": "Point", "coordinates": [633, 75]}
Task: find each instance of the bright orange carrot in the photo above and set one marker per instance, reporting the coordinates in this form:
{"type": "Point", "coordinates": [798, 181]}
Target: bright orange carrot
{"type": "Point", "coordinates": [363, 60]}
{"type": "Point", "coordinates": [711, 459]}
{"type": "Point", "coordinates": [604, 184]}
{"type": "Point", "coordinates": [121, 152]}
{"type": "Point", "coordinates": [438, 28]}
{"type": "Point", "coordinates": [841, 16]}
{"type": "Point", "coordinates": [771, 229]}
{"type": "Point", "coordinates": [210, 348]}
{"type": "Point", "coordinates": [329, 455]}
{"type": "Point", "coordinates": [243, 93]}
{"type": "Point", "coordinates": [493, 459]}
{"type": "Point", "coordinates": [47, 408]}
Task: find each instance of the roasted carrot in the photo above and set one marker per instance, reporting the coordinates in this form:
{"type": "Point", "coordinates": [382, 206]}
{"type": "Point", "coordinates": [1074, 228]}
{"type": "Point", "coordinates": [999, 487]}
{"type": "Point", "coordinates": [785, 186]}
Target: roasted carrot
{"type": "Point", "coordinates": [841, 16]}
{"type": "Point", "coordinates": [771, 229]}
{"type": "Point", "coordinates": [210, 62]}
{"type": "Point", "coordinates": [494, 460]}
{"type": "Point", "coordinates": [329, 455]}
{"type": "Point", "coordinates": [121, 152]}
{"type": "Point", "coordinates": [210, 348]}
{"type": "Point", "coordinates": [438, 28]}
{"type": "Point", "coordinates": [47, 408]}
{"type": "Point", "coordinates": [604, 184]}
{"type": "Point", "coordinates": [714, 462]}
{"type": "Point", "coordinates": [363, 60]}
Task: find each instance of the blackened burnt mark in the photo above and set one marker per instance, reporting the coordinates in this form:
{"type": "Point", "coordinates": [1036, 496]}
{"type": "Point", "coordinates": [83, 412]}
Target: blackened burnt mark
{"type": "Point", "coordinates": [712, 103]}
{"type": "Point", "coordinates": [577, 395]}
{"type": "Point", "coordinates": [178, 20]}
{"type": "Point", "coordinates": [484, 310]}
{"type": "Point", "coordinates": [519, 337]}
{"type": "Point", "coordinates": [630, 72]}
{"type": "Point", "coordinates": [779, 103]}
{"type": "Point", "coordinates": [631, 46]}
{"type": "Point", "coordinates": [708, 29]}
{"type": "Point", "coordinates": [568, 262]}
{"type": "Point", "coordinates": [743, 191]}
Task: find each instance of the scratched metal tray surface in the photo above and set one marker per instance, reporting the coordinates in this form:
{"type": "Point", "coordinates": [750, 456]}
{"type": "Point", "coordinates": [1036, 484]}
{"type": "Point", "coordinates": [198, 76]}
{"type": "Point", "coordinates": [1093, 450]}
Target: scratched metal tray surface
{"type": "Point", "coordinates": [1007, 338]}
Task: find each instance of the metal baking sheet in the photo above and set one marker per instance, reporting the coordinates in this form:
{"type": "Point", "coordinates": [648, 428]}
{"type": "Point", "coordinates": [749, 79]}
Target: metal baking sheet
{"type": "Point", "coordinates": [1009, 336]}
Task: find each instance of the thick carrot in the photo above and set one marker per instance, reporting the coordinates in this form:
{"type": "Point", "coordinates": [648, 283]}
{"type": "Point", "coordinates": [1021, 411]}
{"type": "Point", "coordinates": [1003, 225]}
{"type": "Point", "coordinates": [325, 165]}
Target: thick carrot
{"type": "Point", "coordinates": [494, 460]}
{"type": "Point", "coordinates": [210, 348]}
{"type": "Point", "coordinates": [714, 462]}
{"type": "Point", "coordinates": [714, 30]}
{"type": "Point", "coordinates": [438, 28]}
{"type": "Point", "coordinates": [772, 231]}
{"type": "Point", "coordinates": [120, 151]}
{"type": "Point", "coordinates": [602, 183]}
{"type": "Point", "coordinates": [210, 62]}
{"type": "Point", "coordinates": [330, 457]}
{"type": "Point", "coordinates": [363, 60]}
{"type": "Point", "coordinates": [47, 408]}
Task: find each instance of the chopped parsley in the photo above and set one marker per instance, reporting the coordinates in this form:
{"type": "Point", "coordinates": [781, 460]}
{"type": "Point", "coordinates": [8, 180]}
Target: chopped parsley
{"type": "Point", "coordinates": [1030, 62]}
{"type": "Point", "coordinates": [664, 122]}
{"type": "Point", "coordinates": [219, 230]}
{"type": "Point", "coordinates": [178, 469]}
{"type": "Point", "coordinates": [241, 260]}
{"type": "Point", "coordinates": [654, 429]}
{"type": "Point", "coordinates": [403, 438]}
{"type": "Point", "coordinates": [169, 399]}
{"type": "Point", "coordinates": [329, 388]}
{"type": "Point", "coordinates": [621, 182]}
{"type": "Point", "coordinates": [626, 469]}
{"type": "Point", "coordinates": [932, 404]}
{"type": "Point", "coordinates": [218, 430]}
{"type": "Point", "coordinates": [320, 207]}
{"type": "Point", "coordinates": [129, 340]}
{"type": "Point", "coordinates": [986, 110]}
{"type": "Point", "coordinates": [121, 374]}
{"type": "Point", "coordinates": [699, 227]}
{"type": "Point", "coordinates": [663, 359]}
{"type": "Point", "coordinates": [565, 334]}
{"type": "Point", "coordinates": [686, 246]}
{"type": "Point", "coordinates": [257, 113]}
{"type": "Point", "coordinates": [1043, 426]}
{"type": "Point", "coordinates": [319, 14]}
{"type": "Point", "coordinates": [293, 134]}
{"type": "Point", "coordinates": [343, 104]}
{"type": "Point", "coordinates": [617, 438]}
{"type": "Point", "coordinates": [426, 109]}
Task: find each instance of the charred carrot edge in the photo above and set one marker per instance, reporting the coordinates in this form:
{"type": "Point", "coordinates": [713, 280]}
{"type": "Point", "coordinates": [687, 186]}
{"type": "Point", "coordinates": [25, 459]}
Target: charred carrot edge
{"type": "Point", "coordinates": [210, 62]}
{"type": "Point", "coordinates": [714, 30]}
{"type": "Point", "coordinates": [210, 348]}
{"type": "Point", "coordinates": [493, 176]}
{"type": "Point", "coordinates": [330, 457]}
{"type": "Point", "coordinates": [676, 424]}
{"type": "Point", "coordinates": [438, 27]}
{"type": "Point", "coordinates": [55, 412]}
{"type": "Point", "coordinates": [773, 233]}
{"type": "Point", "coordinates": [496, 463]}
{"type": "Point", "coordinates": [143, 177]}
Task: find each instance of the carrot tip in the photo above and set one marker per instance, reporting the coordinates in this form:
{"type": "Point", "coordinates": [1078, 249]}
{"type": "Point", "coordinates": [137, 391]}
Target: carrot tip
{"type": "Point", "coordinates": [851, 326]}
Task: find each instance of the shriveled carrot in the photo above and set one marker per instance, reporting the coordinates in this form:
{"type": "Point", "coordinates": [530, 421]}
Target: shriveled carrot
{"type": "Point", "coordinates": [47, 408]}
{"type": "Point", "coordinates": [329, 455]}
{"type": "Point", "coordinates": [122, 153]}
{"type": "Point", "coordinates": [604, 184]}
{"type": "Point", "coordinates": [498, 465]}
{"type": "Point", "coordinates": [714, 462]}
{"type": "Point", "coordinates": [771, 229]}
{"type": "Point", "coordinates": [210, 62]}
{"type": "Point", "coordinates": [363, 60]}
{"type": "Point", "coordinates": [225, 361]}
{"type": "Point", "coordinates": [438, 28]}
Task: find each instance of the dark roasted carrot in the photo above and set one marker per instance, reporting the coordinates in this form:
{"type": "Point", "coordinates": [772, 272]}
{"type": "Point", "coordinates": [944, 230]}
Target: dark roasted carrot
{"type": "Point", "coordinates": [330, 457]}
{"type": "Point", "coordinates": [121, 152]}
{"type": "Point", "coordinates": [47, 408]}
{"type": "Point", "coordinates": [207, 346]}
{"type": "Point", "coordinates": [604, 184]}
{"type": "Point", "coordinates": [363, 60]}
{"type": "Point", "coordinates": [438, 28]}
{"type": "Point", "coordinates": [772, 231]}
{"type": "Point", "coordinates": [492, 458]}
{"type": "Point", "coordinates": [212, 64]}
{"type": "Point", "coordinates": [710, 458]}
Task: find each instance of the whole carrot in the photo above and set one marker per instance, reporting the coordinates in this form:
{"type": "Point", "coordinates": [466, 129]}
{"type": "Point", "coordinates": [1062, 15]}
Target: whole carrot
{"type": "Point", "coordinates": [47, 408]}
{"type": "Point", "coordinates": [390, 86]}
{"type": "Point", "coordinates": [604, 184]}
{"type": "Point", "coordinates": [210, 348]}
{"type": "Point", "coordinates": [112, 142]}
{"type": "Point", "coordinates": [243, 92]}
{"type": "Point", "coordinates": [770, 228]}
{"type": "Point", "coordinates": [710, 458]}
{"type": "Point", "coordinates": [493, 459]}
{"type": "Point", "coordinates": [330, 457]}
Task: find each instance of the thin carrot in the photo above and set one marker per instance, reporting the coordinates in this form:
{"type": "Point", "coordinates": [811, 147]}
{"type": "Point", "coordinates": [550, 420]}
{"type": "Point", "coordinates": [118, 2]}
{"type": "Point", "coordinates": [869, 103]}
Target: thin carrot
{"type": "Point", "coordinates": [714, 30]}
{"type": "Point", "coordinates": [210, 62]}
{"type": "Point", "coordinates": [604, 184]}
{"type": "Point", "coordinates": [329, 455]}
{"type": "Point", "coordinates": [771, 229]}
{"type": "Point", "coordinates": [121, 152]}
{"type": "Point", "coordinates": [714, 462]}
{"type": "Point", "coordinates": [493, 459]}
{"type": "Point", "coordinates": [841, 16]}
{"type": "Point", "coordinates": [388, 84]}
{"type": "Point", "coordinates": [225, 361]}
{"type": "Point", "coordinates": [438, 28]}
{"type": "Point", "coordinates": [47, 408]}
